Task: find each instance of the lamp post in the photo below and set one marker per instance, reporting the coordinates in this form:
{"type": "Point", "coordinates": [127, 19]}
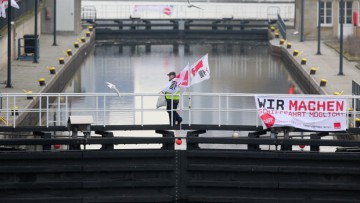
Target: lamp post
{"type": "Point", "coordinates": [319, 29]}
{"type": "Point", "coordinates": [302, 21]}
{"type": "Point", "coordinates": [341, 36]}
{"type": "Point", "coordinates": [36, 34]}
{"type": "Point", "coordinates": [54, 32]}
{"type": "Point", "coordinates": [8, 82]}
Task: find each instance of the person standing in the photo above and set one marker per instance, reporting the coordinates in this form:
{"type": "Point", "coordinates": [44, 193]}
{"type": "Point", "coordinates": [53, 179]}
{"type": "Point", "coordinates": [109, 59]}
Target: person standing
{"type": "Point", "coordinates": [172, 96]}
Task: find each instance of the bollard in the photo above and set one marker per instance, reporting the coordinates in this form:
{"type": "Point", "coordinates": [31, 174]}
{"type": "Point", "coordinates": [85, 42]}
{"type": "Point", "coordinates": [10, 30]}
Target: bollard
{"type": "Point", "coordinates": [282, 41]}
{"type": "Point", "coordinates": [277, 35]}
{"type": "Point", "coordinates": [87, 34]}
{"type": "Point", "coordinates": [272, 28]}
{"type": "Point", "coordinates": [357, 122]}
{"type": "Point", "coordinates": [83, 39]}
{"type": "Point", "coordinates": [61, 60]}
{"type": "Point", "coordinates": [350, 110]}
{"type": "Point", "coordinates": [323, 83]}
{"type": "Point", "coordinates": [52, 70]}
{"type": "Point", "coordinates": [29, 97]}
{"type": "Point", "coordinates": [296, 53]}
{"type": "Point", "coordinates": [14, 111]}
{"type": "Point", "coordinates": [289, 45]}
{"type": "Point", "coordinates": [303, 61]}
{"type": "Point", "coordinates": [41, 81]}
{"type": "Point", "coordinates": [76, 44]}
{"type": "Point", "coordinates": [313, 71]}
{"type": "Point", "coordinates": [90, 28]}
{"type": "Point", "coordinates": [69, 52]}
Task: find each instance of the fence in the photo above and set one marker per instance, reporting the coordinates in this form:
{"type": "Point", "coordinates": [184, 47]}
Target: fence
{"type": "Point", "coordinates": [138, 109]}
{"type": "Point", "coordinates": [180, 10]}
{"type": "Point", "coordinates": [281, 25]}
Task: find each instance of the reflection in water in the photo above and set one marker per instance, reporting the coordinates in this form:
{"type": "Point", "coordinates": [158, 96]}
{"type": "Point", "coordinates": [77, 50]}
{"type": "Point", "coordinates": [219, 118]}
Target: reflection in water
{"type": "Point", "coordinates": [235, 68]}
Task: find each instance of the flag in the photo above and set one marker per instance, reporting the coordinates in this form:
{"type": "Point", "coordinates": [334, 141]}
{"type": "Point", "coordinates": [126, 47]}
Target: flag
{"type": "Point", "coordinates": [4, 5]}
{"type": "Point", "coordinates": [183, 78]}
{"type": "Point", "coordinates": [200, 70]}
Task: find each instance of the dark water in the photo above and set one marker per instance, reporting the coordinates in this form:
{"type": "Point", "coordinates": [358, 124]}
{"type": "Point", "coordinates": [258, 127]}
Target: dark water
{"type": "Point", "coordinates": [238, 68]}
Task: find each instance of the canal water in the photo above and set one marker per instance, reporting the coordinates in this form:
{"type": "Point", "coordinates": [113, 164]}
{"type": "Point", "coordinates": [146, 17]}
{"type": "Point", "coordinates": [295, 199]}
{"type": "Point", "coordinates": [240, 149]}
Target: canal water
{"type": "Point", "coordinates": [245, 67]}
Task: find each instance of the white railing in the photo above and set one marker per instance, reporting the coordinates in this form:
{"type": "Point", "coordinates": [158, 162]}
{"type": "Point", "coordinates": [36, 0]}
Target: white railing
{"type": "Point", "coordinates": [180, 10]}
{"type": "Point", "coordinates": [139, 109]}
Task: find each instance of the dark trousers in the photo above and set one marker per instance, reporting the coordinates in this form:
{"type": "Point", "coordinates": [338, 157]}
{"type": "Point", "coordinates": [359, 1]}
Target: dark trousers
{"type": "Point", "coordinates": [175, 115]}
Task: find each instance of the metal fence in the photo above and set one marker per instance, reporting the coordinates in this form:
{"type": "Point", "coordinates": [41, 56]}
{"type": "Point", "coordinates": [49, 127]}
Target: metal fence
{"type": "Point", "coordinates": [138, 109]}
{"type": "Point", "coordinates": [25, 6]}
{"type": "Point", "coordinates": [281, 25]}
{"type": "Point", "coordinates": [180, 10]}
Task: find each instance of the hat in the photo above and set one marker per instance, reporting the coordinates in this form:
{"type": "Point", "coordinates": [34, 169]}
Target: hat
{"type": "Point", "coordinates": [172, 73]}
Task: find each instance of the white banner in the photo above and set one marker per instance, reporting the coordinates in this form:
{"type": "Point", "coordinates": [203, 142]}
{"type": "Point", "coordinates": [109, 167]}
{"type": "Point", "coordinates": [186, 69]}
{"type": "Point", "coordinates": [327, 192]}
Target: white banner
{"type": "Point", "coordinates": [165, 9]}
{"type": "Point", "coordinates": [318, 114]}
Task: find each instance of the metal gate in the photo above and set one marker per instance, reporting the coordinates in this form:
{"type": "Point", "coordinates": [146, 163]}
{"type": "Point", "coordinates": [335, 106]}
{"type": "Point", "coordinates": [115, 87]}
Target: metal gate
{"type": "Point", "coordinates": [197, 175]}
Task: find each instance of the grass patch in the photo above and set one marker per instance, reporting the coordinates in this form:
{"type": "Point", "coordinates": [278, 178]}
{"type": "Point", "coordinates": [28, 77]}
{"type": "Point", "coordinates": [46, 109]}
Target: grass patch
{"type": "Point", "coordinates": [336, 46]}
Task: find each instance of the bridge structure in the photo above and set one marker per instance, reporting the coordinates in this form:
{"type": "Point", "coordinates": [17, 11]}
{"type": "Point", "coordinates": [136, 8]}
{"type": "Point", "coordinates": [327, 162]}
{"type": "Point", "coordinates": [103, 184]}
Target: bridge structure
{"type": "Point", "coordinates": [264, 165]}
{"type": "Point", "coordinates": [64, 147]}
{"type": "Point", "coordinates": [138, 23]}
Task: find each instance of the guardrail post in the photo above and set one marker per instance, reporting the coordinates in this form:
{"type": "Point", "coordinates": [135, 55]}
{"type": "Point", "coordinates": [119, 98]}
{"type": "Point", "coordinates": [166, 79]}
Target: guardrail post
{"type": "Point", "coordinates": [105, 135]}
{"type": "Point", "coordinates": [286, 137]}
{"type": "Point", "coordinates": [253, 147]}
{"type": "Point", "coordinates": [166, 133]}
{"type": "Point", "coordinates": [194, 134]}
{"type": "Point", "coordinates": [315, 137]}
{"type": "Point", "coordinates": [44, 135]}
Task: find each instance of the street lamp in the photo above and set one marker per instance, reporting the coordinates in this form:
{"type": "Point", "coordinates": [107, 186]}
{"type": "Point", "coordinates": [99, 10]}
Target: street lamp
{"type": "Point", "coordinates": [54, 32]}
{"type": "Point", "coordinates": [302, 21]}
{"type": "Point", "coordinates": [36, 34]}
{"type": "Point", "coordinates": [341, 36]}
{"type": "Point", "coordinates": [319, 28]}
{"type": "Point", "coordinates": [8, 82]}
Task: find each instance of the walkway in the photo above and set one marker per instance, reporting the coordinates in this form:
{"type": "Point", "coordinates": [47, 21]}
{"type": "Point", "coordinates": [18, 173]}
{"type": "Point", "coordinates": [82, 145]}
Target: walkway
{"type": "Point", "coordinates": [327, 63]}
{"type": "Point", "coordinates": [25, 74]}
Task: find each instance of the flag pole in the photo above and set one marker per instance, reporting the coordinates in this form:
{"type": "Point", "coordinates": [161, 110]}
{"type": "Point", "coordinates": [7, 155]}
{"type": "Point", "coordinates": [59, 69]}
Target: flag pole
{"type": "Point", "coordinates": [189, 91]}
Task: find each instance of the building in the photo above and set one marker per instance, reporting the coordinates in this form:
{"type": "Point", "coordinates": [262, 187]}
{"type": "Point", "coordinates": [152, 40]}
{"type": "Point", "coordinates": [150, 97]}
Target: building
{"type": "Point", "coordinates": [330, 18]}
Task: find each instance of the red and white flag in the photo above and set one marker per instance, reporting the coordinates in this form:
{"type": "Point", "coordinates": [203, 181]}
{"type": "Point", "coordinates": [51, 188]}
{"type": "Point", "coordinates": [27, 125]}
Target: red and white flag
{"type": "Point", "coordinates": [200, 70]}
{"type": "Point", "coordinates": [4, 5]}
{"type": "Point", "coordinates": [183, 78]}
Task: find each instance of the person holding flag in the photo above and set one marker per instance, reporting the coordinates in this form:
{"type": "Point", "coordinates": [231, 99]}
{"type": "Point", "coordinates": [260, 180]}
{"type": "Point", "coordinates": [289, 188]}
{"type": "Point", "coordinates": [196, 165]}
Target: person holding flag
{"type": "Point", "coordinates": [172, 96]}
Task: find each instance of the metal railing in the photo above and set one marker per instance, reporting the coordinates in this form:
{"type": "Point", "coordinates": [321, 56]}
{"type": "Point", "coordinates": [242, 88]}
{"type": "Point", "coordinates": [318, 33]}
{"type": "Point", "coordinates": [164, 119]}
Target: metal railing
{"type": "Point", "coordinates": [138, 109]}
{"type": "Point", "coordinates": [88, 13]}
{"type": "Point", "coordinates": [281, 25]}
{"type": "Point", "coordinates": [180, 10]}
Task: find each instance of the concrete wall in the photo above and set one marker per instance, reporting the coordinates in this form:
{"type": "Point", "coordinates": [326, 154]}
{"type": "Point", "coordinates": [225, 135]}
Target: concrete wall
{"type": "Point", "coordinates": [68, 16]}
{"type": "Point", "coordinates": [47, 17]}
{"type": "Point", "coordinates": [20, 27]}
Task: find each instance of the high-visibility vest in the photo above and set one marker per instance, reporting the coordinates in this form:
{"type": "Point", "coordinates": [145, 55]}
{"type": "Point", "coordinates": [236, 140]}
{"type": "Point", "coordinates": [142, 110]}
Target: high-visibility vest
{"type": "Point", "coordinates": [175, 97]}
